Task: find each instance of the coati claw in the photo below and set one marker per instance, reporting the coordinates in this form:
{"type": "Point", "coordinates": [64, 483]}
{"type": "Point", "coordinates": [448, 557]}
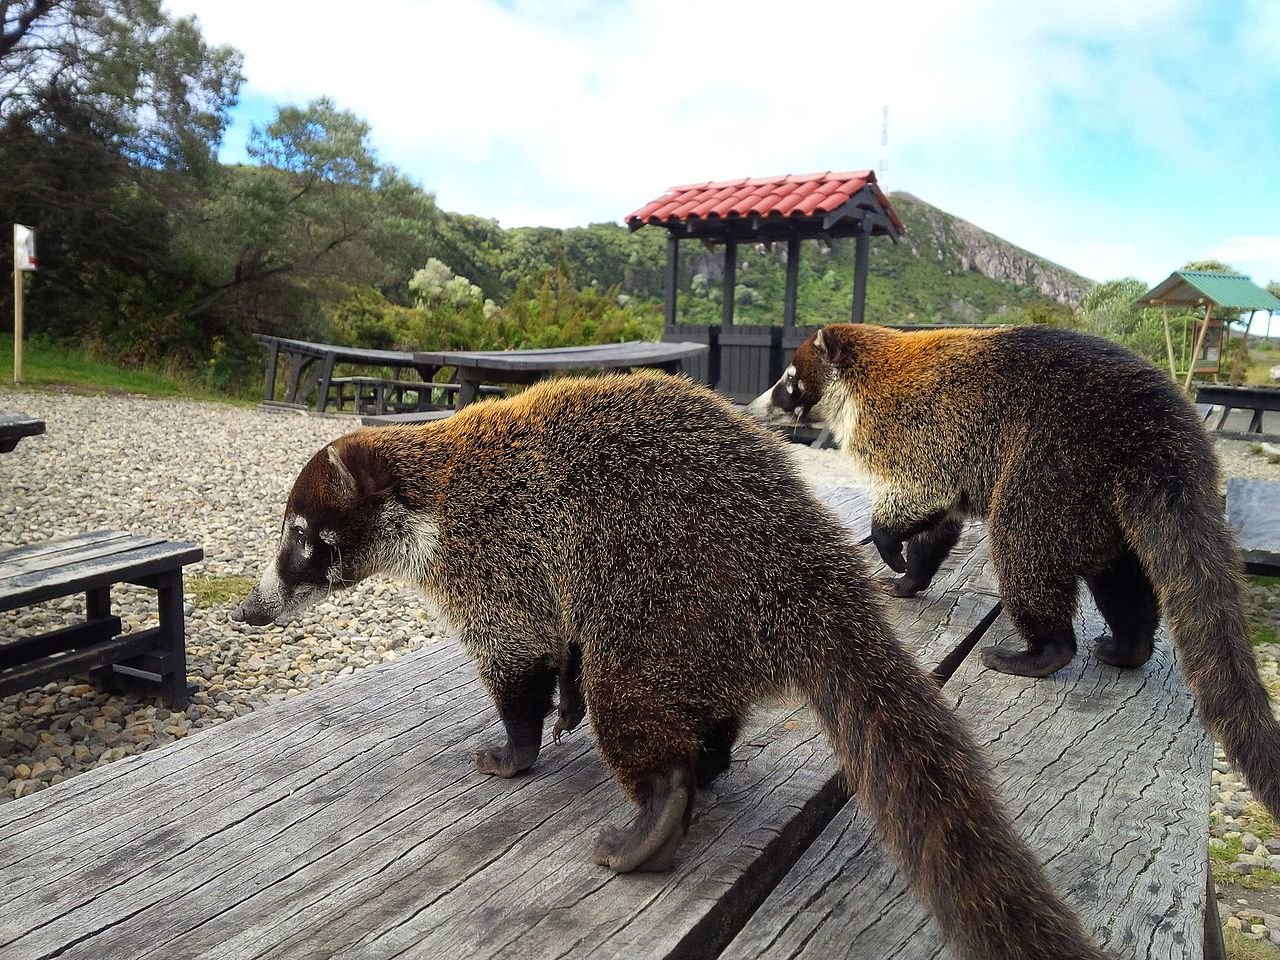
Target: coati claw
{"type": "Point", "coordinates": [567, 722]}
{"type": "Point", "coordinates": [889, 547]}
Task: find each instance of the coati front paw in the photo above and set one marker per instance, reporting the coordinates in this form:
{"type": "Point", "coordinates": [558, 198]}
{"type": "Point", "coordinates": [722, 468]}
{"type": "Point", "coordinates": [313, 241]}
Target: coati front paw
{"type": "Point", "coordinates": [570, 717]}
{"type": "Point", "coordinates": [506, 760]}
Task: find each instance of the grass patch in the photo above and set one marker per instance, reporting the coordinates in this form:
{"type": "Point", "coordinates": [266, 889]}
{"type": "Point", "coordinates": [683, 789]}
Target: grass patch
{"type": "Point", "coordinates": [212, 591]}
{"type": "Point", "coordinates": [1263, 633]}
{"type": "Point", "coordinates": [47, 364]}
{"type": "Point", "coordinates": [1263, 581]}
{"type": "Point", "coordinates": [1240, 947]}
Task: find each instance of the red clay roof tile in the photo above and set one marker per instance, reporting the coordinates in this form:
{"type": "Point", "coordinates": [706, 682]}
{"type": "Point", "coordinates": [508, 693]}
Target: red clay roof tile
{"type": "Point", "coordinates": [802, 195]}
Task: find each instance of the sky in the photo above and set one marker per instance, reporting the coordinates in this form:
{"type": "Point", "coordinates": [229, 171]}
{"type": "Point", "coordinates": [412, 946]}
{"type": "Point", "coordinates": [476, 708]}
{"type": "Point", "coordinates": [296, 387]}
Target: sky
{"type": "Point", "coordinates": [1114, 137]}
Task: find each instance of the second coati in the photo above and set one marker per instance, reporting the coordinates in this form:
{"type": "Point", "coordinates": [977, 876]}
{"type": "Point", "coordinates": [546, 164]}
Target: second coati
{"type": "Point", "coordinates": [638, 534]}
{"type": "Point", "coordinates": [1086, 461]}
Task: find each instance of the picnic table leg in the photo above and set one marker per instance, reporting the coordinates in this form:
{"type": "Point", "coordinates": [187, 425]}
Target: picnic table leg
{"type": "Point", "coordinates": [1223, 419]}
{"type": "Point", "coordinates": [297, 364]}
{"type": "Point", "coordinates": [1255, 423]}
{"type": "Point", "coordinates": [1214, 947]}
{"type": "Point", "coordinates": [468, 388]}
{"type": "Point", "coordinates": [97, 603]}
{"type": "Point", "coordinates": [273, 355]}
{"type": "Point", "coordinates": [326, 375]}
{"type": "Point", "coordinates": [172, 644]}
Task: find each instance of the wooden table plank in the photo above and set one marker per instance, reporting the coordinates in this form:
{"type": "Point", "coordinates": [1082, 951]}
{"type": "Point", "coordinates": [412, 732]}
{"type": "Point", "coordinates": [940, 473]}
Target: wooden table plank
{"type": "Point", "coordinates": [47, 562]}
{"type": "Point", "coordinates": [1253, 510]}
{"type": "Point", "coordinates": [146, 559]}
{"type": "Point", "coordinates": [1106, 773]}
{"type": "Point", "coordinates": [45, 547]}
{"type": "Point", "coordinates": [637, 353]}
{"type": "Point", "coordinates": [350, 819]}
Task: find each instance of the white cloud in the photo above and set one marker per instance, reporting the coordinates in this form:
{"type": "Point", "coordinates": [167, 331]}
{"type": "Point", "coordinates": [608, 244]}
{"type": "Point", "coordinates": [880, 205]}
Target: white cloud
{"type": "Point", "coordinates": [580, 112]}
{"type": "Point", "coordinates": [1255, 256]}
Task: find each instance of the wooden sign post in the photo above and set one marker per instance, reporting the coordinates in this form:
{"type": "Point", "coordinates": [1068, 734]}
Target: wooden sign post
{"type": "Point", "coordinates": [24, 259]}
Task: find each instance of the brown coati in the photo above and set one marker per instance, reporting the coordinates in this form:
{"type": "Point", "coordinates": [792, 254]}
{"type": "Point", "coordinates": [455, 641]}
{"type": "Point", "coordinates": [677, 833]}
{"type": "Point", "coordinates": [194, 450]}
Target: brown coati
{"type": "Point", "coordinates": [1086, 461]}
{"type": "Point", "coordinates": [637, 536]}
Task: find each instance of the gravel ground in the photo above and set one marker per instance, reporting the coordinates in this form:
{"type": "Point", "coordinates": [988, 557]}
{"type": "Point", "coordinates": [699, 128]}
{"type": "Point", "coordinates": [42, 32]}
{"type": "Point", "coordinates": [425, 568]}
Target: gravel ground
{"type": "Point", "coordinates": [218, 476]}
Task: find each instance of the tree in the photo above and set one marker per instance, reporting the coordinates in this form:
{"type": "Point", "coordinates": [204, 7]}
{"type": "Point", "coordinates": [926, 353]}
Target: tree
{"type": "Point", "coordinates": [110, 118]}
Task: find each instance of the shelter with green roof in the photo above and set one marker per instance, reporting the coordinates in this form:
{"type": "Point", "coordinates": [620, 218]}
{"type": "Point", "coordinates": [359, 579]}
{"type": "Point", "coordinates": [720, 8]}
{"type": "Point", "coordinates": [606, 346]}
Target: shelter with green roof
{"type": "Point", "coordinates": [1193, 290]}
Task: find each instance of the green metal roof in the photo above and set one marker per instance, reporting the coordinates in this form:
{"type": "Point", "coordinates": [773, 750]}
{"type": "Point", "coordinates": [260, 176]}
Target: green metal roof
{"type": "Point", "coordinates": [1198, 287]}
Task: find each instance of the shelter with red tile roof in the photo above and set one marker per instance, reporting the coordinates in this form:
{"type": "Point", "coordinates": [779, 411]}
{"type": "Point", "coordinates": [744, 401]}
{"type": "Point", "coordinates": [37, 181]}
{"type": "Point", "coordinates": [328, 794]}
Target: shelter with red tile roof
{"type": "Point", "coordinates": [792, 208]}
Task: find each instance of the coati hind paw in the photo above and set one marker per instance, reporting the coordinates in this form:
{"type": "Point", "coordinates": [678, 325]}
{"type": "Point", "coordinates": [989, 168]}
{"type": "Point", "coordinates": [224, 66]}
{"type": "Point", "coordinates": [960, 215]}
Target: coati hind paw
{"type": "Point", "coordinates": [506, 760]}
{"type": "Point", "coordinates": [1027, 663]}
{"type": "Point", "coordinates": [650, 843]}
{"type": "Point", "coordinates": [567, 722]}
{"type": "Point", "coordinates": [1127, 654]}
{"type": "Point", "coordinates": [899, 586]}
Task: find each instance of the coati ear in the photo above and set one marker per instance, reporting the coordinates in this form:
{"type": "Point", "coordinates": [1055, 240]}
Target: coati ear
{"type": "Point", "coordinates": [832, 344]}
{"type": "Point", "coordinates": [361, 470]}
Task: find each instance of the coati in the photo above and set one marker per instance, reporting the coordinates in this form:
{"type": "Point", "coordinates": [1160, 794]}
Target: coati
{"type": "Point", "coordinates": [1086, 461]}
{"type": "Point", "coordinates": [639, 536]}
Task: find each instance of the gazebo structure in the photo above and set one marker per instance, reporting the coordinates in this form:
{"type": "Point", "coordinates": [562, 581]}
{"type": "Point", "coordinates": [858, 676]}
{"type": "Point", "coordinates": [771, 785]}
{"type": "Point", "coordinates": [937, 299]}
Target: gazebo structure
{"type": "Point", "coordinates": [745, 359]}
{"type": "Point", "coordinates": [1196, 289]}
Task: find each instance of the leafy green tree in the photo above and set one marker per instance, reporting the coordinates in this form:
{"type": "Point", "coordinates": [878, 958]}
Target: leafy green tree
{"type": "Point", "coordinates": [110, 117]}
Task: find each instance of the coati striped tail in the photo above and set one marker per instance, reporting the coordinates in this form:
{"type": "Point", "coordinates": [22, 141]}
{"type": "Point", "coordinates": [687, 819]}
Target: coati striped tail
{"type": "Point", "coordinates": [1190, 556]}
{"type": "Point", "coordinates": [915, 769]}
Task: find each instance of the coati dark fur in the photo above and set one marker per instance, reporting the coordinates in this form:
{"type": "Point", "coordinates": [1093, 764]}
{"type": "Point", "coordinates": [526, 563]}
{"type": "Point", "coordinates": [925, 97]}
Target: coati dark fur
{"type": "Point", "coordinates": [1087, 463]}
{"type": "Point", "coordinates": [636, 533]}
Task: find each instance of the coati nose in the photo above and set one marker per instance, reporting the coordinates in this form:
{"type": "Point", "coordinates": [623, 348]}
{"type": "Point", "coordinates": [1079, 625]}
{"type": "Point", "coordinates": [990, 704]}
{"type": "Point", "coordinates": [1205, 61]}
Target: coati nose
{"type": "Point", "coordinates": [252, 612]}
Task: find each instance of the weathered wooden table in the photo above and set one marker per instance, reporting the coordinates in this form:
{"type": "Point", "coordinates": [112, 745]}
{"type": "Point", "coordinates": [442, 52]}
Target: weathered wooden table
{"type": "Point", "coordinates": [350, 822]}
{"type": "Point", "coordinates": [1253, 510]}
{"type": "Point", "coordinates": [311, 364]}
{"type": "Point", "coordinates": [478, 367]}
{"type": "Point", "coordinates": [1253, 398]}
{"type": "Point", "coordinates": [15, 426]}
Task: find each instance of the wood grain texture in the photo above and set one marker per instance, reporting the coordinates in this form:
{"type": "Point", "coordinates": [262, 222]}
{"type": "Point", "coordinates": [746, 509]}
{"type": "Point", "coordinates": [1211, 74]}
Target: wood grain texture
{"type": "Point", "coordinates": [350, 821]}
{"type": "Point", "coordinates": [1253, 510]}
{"type": "Point", "coordinates": [1106, 774]}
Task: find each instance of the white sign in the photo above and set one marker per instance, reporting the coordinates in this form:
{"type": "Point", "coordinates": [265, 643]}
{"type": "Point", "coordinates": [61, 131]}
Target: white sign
{"type": "Point", "coordinates": [24, 247]}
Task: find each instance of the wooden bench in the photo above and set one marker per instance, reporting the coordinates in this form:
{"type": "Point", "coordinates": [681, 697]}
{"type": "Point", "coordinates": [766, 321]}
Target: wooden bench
{"type": "Point", "coordinates": [1253, 398]}
{"type": "Point", "coordinates": [90, 564]}
{"type": "Point", "coordinates": [1253, 509]}
{"type": "Point", "coordinates": [350, 820]}
{"type": "Point", "coordinates": [15, 426]}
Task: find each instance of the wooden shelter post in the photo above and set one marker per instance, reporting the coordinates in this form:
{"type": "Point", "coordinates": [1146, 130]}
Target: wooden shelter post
{"type": "Point", "coordinates": [730, 282]}
{"type": "Point", "coordinates": [1168, 344]}
{"type": "Point", "coordinates": [1195, 353]}
{"type": "Point", "coordinates": [793, 281]}
{"type": "Point", "coordinates": [861, 252]}
{"type": "Point", "coordinates": [672, 275]}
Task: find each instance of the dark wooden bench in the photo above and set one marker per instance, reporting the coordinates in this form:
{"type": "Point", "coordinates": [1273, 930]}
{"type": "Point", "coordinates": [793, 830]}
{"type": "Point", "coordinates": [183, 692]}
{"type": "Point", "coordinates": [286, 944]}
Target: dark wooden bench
{"type": "Point", "coordinates": [1253, 509]}
{"type": "Point", "coordinates": [90, 564]}
{"type": "Point", "coordinates": [15, 426]}
{"type": "Point", "coordinates": [351, 820]}
{"type": "Point", "coordinates": [1259, 400]}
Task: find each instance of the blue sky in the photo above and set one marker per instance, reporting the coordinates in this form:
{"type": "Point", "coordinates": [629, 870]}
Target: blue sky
{"type": "Point", "coordinates": [1116, 138]}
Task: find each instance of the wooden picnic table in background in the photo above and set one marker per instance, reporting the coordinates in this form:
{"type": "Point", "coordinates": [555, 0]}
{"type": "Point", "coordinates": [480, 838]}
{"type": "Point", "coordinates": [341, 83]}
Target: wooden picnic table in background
{"type": "Point", "coordinates": [302, 356]}
{"type": "Point", "coordinates": [15, 426]}
{"type": "Point", "coordinates": [350, 820]}
{"type": "Point", "coordinates": [479, 367]}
